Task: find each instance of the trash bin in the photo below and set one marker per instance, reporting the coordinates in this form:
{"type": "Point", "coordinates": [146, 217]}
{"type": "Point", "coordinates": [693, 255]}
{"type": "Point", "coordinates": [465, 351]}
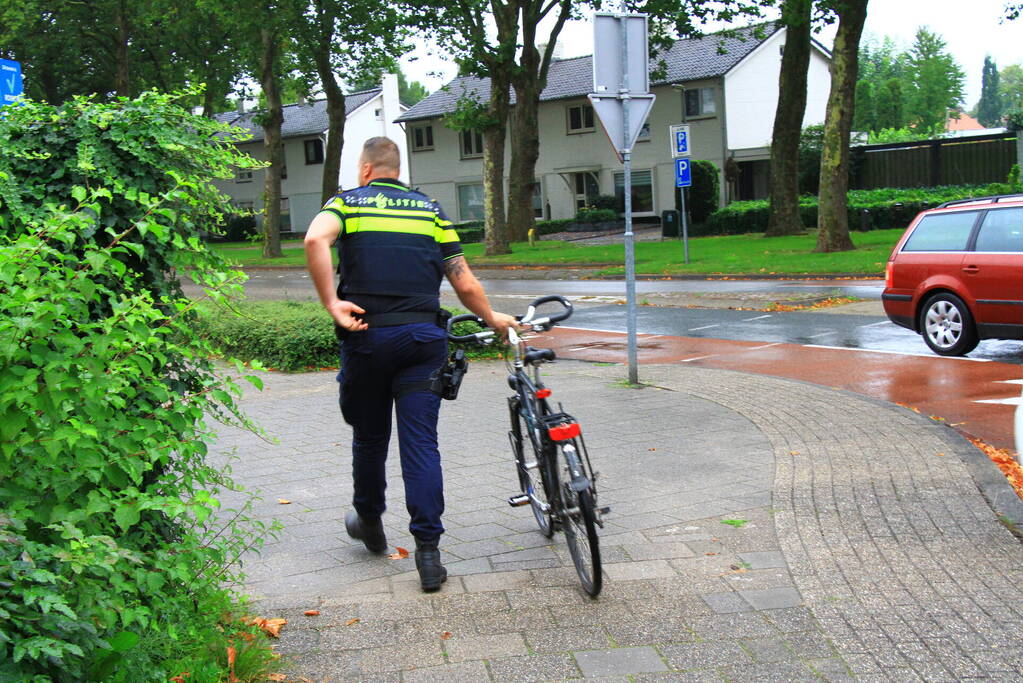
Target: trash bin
{"type": "Point", "coordinates": [669, 223]}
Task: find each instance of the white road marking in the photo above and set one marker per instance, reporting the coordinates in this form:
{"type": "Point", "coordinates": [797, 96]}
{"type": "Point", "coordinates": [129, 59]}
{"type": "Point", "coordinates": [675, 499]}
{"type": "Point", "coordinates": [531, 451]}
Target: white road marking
{"type": "Point", "coordinates": [765, 346]}
{"type": "Point", "coordinates": [1014, 401]}
{"type": "Point", "coordinates": [1011, 381]}
{"type": "Point", "coordinates": [897, 353]}
{"type": "Point", "coordinates": [705, 327]}
{"type": "Point", "coordinates": [759, 317]}
{"type": "Point", "coordinates": [690, 360]}
{"type": "Point", "coordinates": [883, 322]}
{"type": "Point", "coordinates": [822, 334]}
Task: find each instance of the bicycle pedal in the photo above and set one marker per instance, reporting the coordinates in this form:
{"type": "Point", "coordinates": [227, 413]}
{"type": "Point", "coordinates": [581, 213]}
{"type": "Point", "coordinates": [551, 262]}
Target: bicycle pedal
{"type": "Point", "coordinates": [604, 510]}
{"type": "Point", "coordinates": [518, 500]}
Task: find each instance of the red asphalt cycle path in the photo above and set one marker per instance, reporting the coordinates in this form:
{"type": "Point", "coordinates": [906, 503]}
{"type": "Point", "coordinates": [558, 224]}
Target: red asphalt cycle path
{"type": "Point", "coordinates": [942, 387]}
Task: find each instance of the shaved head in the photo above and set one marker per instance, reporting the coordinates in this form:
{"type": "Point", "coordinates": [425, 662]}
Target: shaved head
{"type": "Point", "coordinates": [382, 153]}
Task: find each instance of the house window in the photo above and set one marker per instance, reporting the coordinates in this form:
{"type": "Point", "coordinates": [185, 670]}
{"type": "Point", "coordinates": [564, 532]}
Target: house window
{"type": "Point", "coordinates": [537, 201]}
{"type": "Point", "coordinates": [580, 119]}
{"type": "Point", "coordinates": [644, 133]}
{"type": "Point", "coordinates": [470, 202]}
{"type": "Point", "coordinates": [700, 102]}
{"type": "Point", "coordinates": [586, 188]}
{"type": "Point", "coordinates": [243, 205]}
{"type": "Point", "coordinates": [472, 144]}
{"type": "Point", "coordinates": [314, 151]}
{"type": "Point", "coordinates": [642, 191]}
{"type": "Point", "coordinates": [379, 113]}
{"type": "Point", "coordinates": [422, 138]}
{"type": "Point", "coordinates": [243, 177]}
{"type": "Point", "coordinates": [285, 215]}
{"type": "Point", "coordinates": [284, 171]}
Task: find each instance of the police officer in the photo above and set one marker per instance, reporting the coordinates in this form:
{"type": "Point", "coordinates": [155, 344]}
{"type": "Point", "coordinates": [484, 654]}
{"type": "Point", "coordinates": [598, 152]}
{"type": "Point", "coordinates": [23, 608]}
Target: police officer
{"type": "Point", "coordinates": [394, 245]}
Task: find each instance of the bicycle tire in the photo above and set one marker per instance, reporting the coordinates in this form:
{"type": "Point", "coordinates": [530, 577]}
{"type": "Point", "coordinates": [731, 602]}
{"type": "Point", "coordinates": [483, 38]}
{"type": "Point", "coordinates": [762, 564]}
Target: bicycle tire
{"type": "Point", "coordinates": [531, 480]}
{"type": "Point", "coordinates": [580, 526]}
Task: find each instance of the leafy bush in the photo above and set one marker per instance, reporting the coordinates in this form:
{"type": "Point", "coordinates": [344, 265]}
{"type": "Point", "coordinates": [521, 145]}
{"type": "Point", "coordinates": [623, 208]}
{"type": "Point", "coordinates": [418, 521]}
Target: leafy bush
{"type": "Point", "coordinates": [553, 226]}
{"type": "Point", "coordinates": [705, 194]}
{"type": "Point", "coordinates": [885, 207]}
{"type": "Point", "coordinates": [593, 215]}
{"type": "Point", "coordinates": [239, 227]}
{"type": "Point", "coordinates": [111, 561]}
{"type": "Point", "coordinates": [283, 335]}
{"type": "Point", "coordinates": [607, 201]}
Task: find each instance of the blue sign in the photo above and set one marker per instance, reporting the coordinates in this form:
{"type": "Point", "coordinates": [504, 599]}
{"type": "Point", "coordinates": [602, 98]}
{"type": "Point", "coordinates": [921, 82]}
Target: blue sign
{"type": "Point", "coordinates": [683, 173]}
{"type": "Point", "coordinates": [11, 85]}
{"type": "Point", "coordinates": [681, 142]}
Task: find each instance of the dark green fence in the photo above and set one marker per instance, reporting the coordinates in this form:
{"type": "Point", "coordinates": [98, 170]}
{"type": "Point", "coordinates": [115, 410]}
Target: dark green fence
{"type": "Point", "coordinates": [929, 163]}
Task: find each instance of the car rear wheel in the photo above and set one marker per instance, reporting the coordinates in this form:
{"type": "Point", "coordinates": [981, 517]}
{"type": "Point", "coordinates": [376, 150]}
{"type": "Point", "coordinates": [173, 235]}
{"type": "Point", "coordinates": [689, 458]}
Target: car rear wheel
{"type": "Point", "coordinates": [947, 325]}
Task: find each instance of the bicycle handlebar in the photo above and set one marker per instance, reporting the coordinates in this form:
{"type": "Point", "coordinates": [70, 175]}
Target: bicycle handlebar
{"type": "Point", "coordinates": [540, 324]}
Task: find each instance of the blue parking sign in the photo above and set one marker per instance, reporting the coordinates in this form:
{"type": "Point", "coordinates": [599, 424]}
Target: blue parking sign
{"type": "Point", "coordinates": [11, 85]}
{"type": "Point", "coordinates": [683, 174]}
{"type": "Point", "coordinates": [681, 141]}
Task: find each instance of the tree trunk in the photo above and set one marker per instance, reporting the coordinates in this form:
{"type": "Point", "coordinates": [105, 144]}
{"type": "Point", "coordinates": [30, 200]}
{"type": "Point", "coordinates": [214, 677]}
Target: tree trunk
{"type": "Point", "coordinates": [272, 122]}
{"type": "Point", "coordinates": [784, 216]}
{"type": "Point", "coordinates": [335, 124]}
{"type": "Point", "coordinates": [833, 215]}
{"type": "Point", "coordinates": [495, 228]}
{"type": "Point", "coordinates": [121, 76]}
{"type": "Point", "coordinates": [526, 147]}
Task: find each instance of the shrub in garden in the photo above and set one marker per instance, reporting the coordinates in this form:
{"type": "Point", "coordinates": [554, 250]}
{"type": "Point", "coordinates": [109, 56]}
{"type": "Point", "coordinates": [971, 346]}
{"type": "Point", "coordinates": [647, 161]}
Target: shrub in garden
{"type": "Point", "coordinates": [112, 565]}
{"type": "Point", "coordinates": [607, 201]}
{"type": "Point", "coordinates": [886, 208]}
{"type": "Point", "coordinates": [284, 335]}
{"type": "Point", "coordinates": [705, 193]}
{"type": "Point", "coordinates": [590, 214]}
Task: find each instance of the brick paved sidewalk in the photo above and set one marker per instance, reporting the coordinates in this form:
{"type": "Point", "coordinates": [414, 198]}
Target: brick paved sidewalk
{"type": "Point", "coordinates": [877, 558]}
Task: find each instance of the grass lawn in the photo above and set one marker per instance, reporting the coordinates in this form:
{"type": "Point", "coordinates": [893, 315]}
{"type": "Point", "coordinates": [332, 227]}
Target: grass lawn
{"type": "Point", "coordinates": [730, 255]}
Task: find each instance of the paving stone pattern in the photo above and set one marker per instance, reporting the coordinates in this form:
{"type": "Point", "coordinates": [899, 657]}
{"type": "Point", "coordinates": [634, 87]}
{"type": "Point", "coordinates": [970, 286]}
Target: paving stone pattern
{"type": "Point", "coordinates": [877, 559]}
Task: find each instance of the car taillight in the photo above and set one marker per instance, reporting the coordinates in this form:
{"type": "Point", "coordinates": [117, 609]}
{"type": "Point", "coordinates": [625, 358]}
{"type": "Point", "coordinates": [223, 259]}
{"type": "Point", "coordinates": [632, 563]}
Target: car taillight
{"type": "Point", "coordinates": [888, 274]}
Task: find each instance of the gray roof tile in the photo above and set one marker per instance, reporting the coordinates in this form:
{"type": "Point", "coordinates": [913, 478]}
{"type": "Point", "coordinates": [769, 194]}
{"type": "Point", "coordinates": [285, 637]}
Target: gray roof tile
{"type": "Point", "coordinates": [687, 60]}
{"type": "Point", "coordinates": [299, 119]}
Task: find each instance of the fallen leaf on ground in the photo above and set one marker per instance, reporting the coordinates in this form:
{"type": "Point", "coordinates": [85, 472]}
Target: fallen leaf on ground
{"type": "Point", "coordinates": [940, 455]}
{"type": "Point", "coordinates": [352, 621]}
{"type": "Point", "coordinates": [277, 678]}
{"type": "Point", "coordinates": [284, 501]}
{"type": "Point", "coordinates": [710, 554]}
{"type": "Point", "coordinates": [231, 655]}
{"type": "Point", "coordinates": [737, 523]}
{"type": "Point", "coordinates": [400, 555]}
{"type": "Point", "coordinates": [180, 678]}
{"type": "Point", "coordinates": [793, 452]}
{"type": "Point", "coordinates": [445, 635]}
{"type": "Point", "coordinates": [1006, 462]}
{"type": "Point", "coordinates": [271, 627]}
{"type": "Point", "coordinates": [312, 613]}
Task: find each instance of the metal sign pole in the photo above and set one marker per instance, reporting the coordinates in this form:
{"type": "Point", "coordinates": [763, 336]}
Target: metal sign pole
{"type": "Point", "coordinates": [630, 249]}
{"type": "Point", "coordinates": [685, 224]}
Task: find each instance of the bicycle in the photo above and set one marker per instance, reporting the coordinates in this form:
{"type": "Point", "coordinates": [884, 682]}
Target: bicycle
{"type": "Point", "coordinates": [558, 482]}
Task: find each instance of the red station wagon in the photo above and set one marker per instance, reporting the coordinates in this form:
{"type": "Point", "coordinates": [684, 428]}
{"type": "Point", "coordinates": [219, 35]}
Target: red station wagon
{"type": "Point", "coordinates": [956, 276]}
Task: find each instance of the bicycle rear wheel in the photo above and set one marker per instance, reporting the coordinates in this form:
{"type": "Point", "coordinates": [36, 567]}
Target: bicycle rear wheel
{"type": "Point", "coordinates": [580, 526]}
{"type": "Point", "coordinates": [530, 472]}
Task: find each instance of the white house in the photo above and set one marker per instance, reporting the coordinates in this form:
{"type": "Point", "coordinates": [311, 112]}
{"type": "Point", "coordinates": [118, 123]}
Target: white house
{"type": "Point", "coordinates": [726, 89]}
{"type": "Point", "coordinates": [369, 113]}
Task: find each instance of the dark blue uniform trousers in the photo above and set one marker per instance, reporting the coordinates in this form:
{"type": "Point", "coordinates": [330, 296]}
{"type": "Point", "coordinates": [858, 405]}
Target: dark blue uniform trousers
{"type": "Point", "coordinates": [389, 367]}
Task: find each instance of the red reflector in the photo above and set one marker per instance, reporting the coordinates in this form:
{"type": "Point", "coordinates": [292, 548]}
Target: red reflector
{"type": "Point", "coordinates": [543, 393]}
{"type": "Point", "coordinates": [564, 432]}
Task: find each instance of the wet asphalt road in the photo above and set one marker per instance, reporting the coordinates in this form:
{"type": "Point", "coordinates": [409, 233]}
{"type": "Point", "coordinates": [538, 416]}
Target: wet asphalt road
{"type": "Point", "coordinates": [805, 328]}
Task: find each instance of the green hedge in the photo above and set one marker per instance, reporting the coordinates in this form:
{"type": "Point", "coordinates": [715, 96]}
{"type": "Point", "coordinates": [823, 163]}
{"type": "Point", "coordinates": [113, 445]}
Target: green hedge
{"type": "Point", "coordinates": [287, 335]}
{"type": "Point", "coordinates": [886, 208]}
{"type": "Point", "coordinates": [472, 232]}
{"type": "Point", "coordinates": [705, 194]}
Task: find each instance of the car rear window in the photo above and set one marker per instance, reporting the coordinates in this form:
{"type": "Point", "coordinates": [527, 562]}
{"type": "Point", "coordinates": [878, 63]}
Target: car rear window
{"type": "Point", "coordinates": [942, 232]}
{"type": "Point", "coordinates": [1002, 230]}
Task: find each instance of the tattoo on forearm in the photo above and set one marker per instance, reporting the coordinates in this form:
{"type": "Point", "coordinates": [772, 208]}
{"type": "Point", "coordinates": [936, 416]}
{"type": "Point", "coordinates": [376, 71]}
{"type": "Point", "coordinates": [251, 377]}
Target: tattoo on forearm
{"type": "Point", "coordinates": [455, 267]}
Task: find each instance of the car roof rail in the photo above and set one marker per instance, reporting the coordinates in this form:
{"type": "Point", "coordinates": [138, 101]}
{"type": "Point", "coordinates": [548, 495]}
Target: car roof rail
{"type": "Point", "coordinates": [992, 198]}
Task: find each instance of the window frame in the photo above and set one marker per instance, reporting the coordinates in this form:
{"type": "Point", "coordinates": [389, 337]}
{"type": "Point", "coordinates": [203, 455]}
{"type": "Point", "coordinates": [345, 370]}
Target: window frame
{"type": "Point", "coordinates": [701, 102]}
{"type": "Point", "coordinates": [983, 222]}
{"type": "Point", "coordinates": [428, 137]}
{"type": "Point", "coordinates": [583, 108]}
{"type": "Point", "coordinates": [243, 177]}
{"type": "Point", "coordinates": [476, 137]}
{"type": "Point", "coordinates": [652, 211]}
{"type": "Point", "coordinates": [318, 151]}
{"type": "Point", "coordinates": [462, 218]}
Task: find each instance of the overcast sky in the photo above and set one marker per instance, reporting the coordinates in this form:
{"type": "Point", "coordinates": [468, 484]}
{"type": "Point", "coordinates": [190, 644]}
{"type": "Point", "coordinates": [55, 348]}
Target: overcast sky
{"type": "Point", "coordinates": [970, 29]}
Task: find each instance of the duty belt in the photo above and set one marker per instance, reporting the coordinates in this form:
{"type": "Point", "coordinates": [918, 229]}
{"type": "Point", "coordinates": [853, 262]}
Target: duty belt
{"type": "Point", "coordinates": [403, 318]}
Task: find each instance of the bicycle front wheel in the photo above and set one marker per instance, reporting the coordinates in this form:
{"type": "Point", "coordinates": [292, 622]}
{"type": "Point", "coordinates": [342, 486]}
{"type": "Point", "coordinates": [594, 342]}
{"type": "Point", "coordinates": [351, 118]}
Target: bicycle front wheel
{"type": "Point", "coordinates": [580, 526]}
{"type": "Point", "coordinates": [529, 462]}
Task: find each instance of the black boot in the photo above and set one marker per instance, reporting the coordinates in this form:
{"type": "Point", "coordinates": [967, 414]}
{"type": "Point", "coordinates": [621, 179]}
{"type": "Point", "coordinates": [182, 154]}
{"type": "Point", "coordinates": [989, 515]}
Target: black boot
{"type": "Point", "coordinates": [431, 572]}
{"type": "Point", "coordinates": [370, 532]}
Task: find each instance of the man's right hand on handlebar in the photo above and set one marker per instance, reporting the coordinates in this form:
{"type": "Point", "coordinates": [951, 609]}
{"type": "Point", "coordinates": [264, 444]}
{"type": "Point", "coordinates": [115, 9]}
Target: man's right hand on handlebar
{"type": "Point", "coordinates": [500, 322]}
